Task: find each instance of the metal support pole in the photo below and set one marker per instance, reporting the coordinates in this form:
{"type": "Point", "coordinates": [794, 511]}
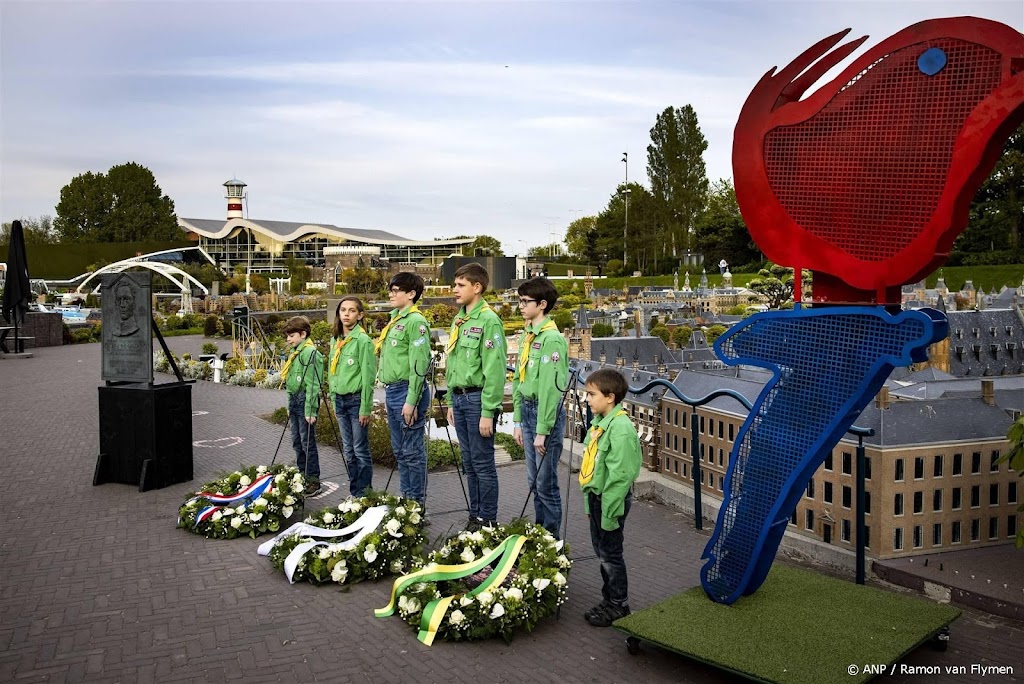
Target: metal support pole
{"type": "Point", "coordinates": [698, 516]}
{"type": "Point", "coordinates": [861, 496]}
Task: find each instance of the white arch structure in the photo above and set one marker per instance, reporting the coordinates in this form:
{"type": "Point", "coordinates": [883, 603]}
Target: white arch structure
{"type": "Point", "coordinates": [169, 271]}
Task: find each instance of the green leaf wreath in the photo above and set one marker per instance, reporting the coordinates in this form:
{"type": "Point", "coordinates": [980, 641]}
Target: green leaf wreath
{"type": "Point", "coordinates": [393, 548]}
{"type": "Point", "coordinates": [534, 588]}
{"type": "Point", "coordinates": [253, 517]}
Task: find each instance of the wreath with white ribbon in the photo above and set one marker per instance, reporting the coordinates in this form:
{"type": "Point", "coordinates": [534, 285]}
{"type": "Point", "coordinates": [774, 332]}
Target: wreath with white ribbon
{"type": "Point", "coordinates": [362, 538]}
{"type": "Point", "coordinates": [484, 584]}
{"type": "Point", "coordinates": [249, 502]}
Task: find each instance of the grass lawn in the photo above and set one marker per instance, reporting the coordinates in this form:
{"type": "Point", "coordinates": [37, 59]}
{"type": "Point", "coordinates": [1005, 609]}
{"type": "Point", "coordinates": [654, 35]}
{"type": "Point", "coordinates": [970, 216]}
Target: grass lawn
{"type": "Point", "coordinates": [799, 627]}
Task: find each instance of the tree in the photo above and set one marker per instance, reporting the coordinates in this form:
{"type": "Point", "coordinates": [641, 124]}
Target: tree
{"type": "Point", "coordinates": [552, 250]}
{"type": "Point", "coordinates": [776, 284]}
{"type": "Point", "coordinates": [563, 318]}
{"type": "Point", "coordinates": [682, 335]}
{"type": "Point", "coordinates": [720, 232]}
{"type": "Point", "coordinates": [1015, 457]}
{"type": "Point", "coordinates": [662, 332]}
{"type": "Point", "coordinates": [485, 245]}
{"type": "Point", "coordinates": [675, 167]}
{"type": "Point", "coordinates": [124, 205]}
{"type": "Point", "coordinates": [581, 239]}
{"type": "Point", "coordinates": [714, 332]}
{"type": "Point", "coordinates": [299, 273]}
{"type": "Point", "coordinates": [997, 211]}
{"type": "Point", "coordinates": [38, 231]}
{"type": "Point", "coordinates": [602, 330]}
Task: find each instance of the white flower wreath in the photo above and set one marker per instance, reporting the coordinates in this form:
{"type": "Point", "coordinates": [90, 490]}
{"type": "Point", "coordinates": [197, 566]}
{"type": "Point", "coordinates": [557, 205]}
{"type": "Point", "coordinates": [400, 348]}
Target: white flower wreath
{"type": "Point", "coordinates": [250, 501]}
{"type": "Point", "coordinates": [532, 584]}
{"type": "Point", "coordinates": [376, 535]}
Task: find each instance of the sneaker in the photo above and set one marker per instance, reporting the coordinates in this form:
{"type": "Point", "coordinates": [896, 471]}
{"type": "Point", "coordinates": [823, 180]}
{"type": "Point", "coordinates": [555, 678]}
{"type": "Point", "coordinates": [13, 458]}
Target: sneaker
{"type": "Point", "coordinates": [605, 614]}
{"type": "Point", "coordinates": [473, 524]}
{"type": "Point", "coordinates": [312, 489]}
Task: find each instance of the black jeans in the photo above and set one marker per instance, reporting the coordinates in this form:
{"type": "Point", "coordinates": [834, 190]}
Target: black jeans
{"type": "Point", "coordinates": [608, 547]}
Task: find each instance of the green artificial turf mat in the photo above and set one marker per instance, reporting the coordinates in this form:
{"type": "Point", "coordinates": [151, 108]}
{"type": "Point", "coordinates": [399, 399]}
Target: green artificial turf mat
{"type": "Point", "coordinates": [798, 627]}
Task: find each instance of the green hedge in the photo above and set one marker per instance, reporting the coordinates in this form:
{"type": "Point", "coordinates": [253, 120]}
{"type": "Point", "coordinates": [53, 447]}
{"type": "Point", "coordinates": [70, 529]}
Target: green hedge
{"type": "Point", "coordinates": [67, 260]}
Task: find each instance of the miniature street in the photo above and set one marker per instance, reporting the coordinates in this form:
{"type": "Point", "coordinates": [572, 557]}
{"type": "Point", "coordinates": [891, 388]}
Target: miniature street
{"type": "Point", "coordinates": [99, 585]}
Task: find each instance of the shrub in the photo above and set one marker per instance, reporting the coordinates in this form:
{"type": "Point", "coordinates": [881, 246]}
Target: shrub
{"type": "Point", "coordinates": [209, 348]}
{"type": "Point", "coordinates": [272, 381]}
{"type": "Point", "coordinates": [439, 454]}
{"type": "Point", "coordinates": [81, 335]}
{"type": "Point", "coordinates": [234, 365]}
{"type": "Point", "coordinates": [212, 326]}
{"type": "Point", "coordinates": [261, 376]}
{"type": "Point", "coordinates": [66, 337]}
{"type": "Point", "coordinates": [508, 443]}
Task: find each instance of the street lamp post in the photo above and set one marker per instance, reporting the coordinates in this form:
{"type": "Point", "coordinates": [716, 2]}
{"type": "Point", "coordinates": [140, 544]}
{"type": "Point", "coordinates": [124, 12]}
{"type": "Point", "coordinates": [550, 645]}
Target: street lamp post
{"type": "Point", "coordinates": [625, 227]}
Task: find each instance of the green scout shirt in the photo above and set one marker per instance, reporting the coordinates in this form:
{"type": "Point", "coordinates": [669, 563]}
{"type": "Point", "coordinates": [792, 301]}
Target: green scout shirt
{"type": "Point", "coordinates": [356, 369]}
{"type": "Point", "coordinates": [479, 357]}
{"type": "Point", "coordinates": [546, 370]}
{"type": "Point", "coordinates": [617, 466]}
{"type": "Point", "coordinates": [306, 373]}
{"type": "Point", "coordinates": [405, 353]}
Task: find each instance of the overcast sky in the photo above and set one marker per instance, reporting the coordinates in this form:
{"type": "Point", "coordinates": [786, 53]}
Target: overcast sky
{"type": "Point", "coordinates": [425, 119]}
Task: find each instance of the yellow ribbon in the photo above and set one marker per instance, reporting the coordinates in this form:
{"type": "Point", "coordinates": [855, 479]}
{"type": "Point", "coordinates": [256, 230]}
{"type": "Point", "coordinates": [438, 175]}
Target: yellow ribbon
{"type": "Point", "coordinates": [590, 453]}
{"type": "Point", "coordinates": [457, 326]}
{"type": "Point", "coordinates": [524, 351]}
{"type": "Point", "coordinates": [378, 344]}
{"type": "Point", "coordinates": [295, 354]}
{"type": "Point", "coordinates": [338, 346]}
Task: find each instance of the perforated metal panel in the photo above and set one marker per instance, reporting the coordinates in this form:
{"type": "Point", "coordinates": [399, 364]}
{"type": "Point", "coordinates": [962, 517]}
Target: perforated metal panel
{"type": "Point", "coordinates": [867, 171]}
{"type": "Point", "coordinates": [829, 362]}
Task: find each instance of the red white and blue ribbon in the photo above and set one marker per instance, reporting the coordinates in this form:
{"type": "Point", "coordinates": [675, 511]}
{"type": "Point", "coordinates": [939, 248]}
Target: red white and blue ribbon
{"type": "Point", "coordinates": [262, 485]}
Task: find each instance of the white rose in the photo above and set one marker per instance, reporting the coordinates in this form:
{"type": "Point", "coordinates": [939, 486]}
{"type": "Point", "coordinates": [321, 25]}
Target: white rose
{"type": "Point", "coordinates": [328, 517]}
{"type": "Point", "coordinates": [484, 597]}
{"type": "Point", "coordinates": [287, 511]}
{"type": "Point", "coordinates": [370, 553]}
{"type": "Point", "coordinates": [559, 579]}
{"type": "Point", "coordinates": [468, 555]}
{"type": "Point", "coordinates": [497, 611]}
{"type": "Point", "coordinates": [540, 584]}
{"type": "Point", "coordinates": [356, 507]}
{"type": "Point", "coordinates": [339, 573]}
{"type": "Point", "coordinates": [477, 537]}
{"type": "Point", "coordinates": [217, 515]}
{"type": "Point", "coordinates": [236, 522]}
{"type": "Point", "coordinates": [260, 502]}
{"type": "Point", "coordinates": [255, 517]}
{"type": "Point", "coordinates": [400, 512]}
{"type": "Point", "coordinates": [297, 487]}
{"type": "Point", "coordinates": [279, 478]}
{"type": "Point", "coordinates": [445, 552]}
{"type": "Point", "coordinates": [244, 481]}
{"type": "Point", "coordinates": [415, 518]}
{"type": "Point", "coordinates": [403, 603]}
{"type": "Point", "coordinates": [261, 469]}
{"type": "Point", "coordinates": [324, 554]}
{"type": "Point", "coordinates": [289, 500]}
{"type": "Point", "coordinates": [465, 600]}
{"type": "Point", "coordinates": [456, 617]}
{"type": "Point", "coordinates": [413, 605]}
{"type": "Point", "coordinates": [240, 510]}
{"type": "Point", "coordinates": [393, 526]}
{"type": "Point", "coordinates": [514, 594]}
{"type": "Point", "coordinates": [563, 562]}
{"type": "Point", "coordinates": [396, 567]}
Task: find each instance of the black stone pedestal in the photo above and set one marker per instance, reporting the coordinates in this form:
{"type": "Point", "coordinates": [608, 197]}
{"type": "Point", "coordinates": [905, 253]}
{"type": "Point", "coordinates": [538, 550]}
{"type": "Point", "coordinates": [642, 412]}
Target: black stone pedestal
{"type": "Point", "coordinates": [145, 435]}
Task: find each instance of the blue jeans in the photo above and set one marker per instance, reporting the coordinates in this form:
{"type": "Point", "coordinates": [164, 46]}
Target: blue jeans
{"type": "Point", "coordinates": [608, 547]}
{"type": "Point", "coordinates": [307, 457]}
{"type": "Point", "coordinates": [542, 471]}
{"type": "Point", "coordinates": [355, 442]}
{"type": "Point", "coordinates": [477, 456]}
{"type": "Point", "coordinates": [408, 442]}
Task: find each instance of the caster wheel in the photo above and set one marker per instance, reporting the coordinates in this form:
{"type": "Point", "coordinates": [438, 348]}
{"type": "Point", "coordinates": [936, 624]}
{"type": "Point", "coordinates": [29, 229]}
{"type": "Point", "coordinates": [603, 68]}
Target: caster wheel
{"type": "Point", "coordinates": [941, 640]}
{"type": "Point", "coordinates": [633, 645]}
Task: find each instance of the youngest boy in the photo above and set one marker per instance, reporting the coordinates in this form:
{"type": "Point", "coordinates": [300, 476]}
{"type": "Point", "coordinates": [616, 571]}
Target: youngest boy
{"type": "Point", "coordinates": [302, 374]}
{"type": "Point", "coordinates": [611, 462]}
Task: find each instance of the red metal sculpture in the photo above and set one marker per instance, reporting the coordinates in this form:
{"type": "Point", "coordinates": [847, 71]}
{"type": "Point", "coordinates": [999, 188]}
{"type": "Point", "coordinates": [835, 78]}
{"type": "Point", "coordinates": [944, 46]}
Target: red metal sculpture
{"type": "Point", "coordinates": [868, 181]}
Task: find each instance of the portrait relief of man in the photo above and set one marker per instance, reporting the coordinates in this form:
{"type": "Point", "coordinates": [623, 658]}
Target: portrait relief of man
{"type": "Point", "coordinates": [127, 322]}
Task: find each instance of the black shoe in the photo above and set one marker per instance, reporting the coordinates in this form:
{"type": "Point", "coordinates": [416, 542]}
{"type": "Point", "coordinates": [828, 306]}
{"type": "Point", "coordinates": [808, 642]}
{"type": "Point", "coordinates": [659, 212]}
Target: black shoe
{"type": "Point", "coordinates": [604, 615]}
{"type": "Point", "coordinates": [473, 524]}
{"type": "Point", "coordinates": [596, 610]}
{"type": "Point", "coordinates": [313, 489]}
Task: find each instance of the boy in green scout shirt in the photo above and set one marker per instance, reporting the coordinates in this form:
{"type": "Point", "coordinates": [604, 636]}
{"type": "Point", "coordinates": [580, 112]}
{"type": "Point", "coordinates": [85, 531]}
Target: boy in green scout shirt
{"type": "Point", "coordinates": [352, 369]}
{"type": "Point", "coordinates": [302, 374]}
{"type": "Point", "coordinates": [539, 412]}
{"type": "Point", "coordinates": [404, 350]}
{"type": "Point", "coordinates": [476, 386]}
{"type": "Point", "coordinates": [611, 462]}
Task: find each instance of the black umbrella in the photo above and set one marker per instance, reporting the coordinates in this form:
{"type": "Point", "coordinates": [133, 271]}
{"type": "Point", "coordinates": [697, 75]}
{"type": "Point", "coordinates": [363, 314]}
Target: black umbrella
{"type": "Point", "coordinates": [17, 290]}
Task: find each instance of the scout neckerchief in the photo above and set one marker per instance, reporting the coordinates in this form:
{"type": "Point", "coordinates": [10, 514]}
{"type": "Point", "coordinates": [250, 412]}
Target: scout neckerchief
{"type": "Point", "coordinates": [295, 355]}
{"type": "Point", "coordinates": [590, 453]}
{"type": "Point", "coordinates": [378, 344]}
{"type": "Point", "coordinates": [457, 323]}
{"type": "Point", "coordinates": [524, 350]}
{"type": "Point", "coordinates": [339, 345]}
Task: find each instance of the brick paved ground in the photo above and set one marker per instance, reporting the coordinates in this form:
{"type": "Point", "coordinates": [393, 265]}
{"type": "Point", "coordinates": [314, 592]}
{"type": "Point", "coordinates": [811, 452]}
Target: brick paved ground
{"type": "Point", "coordinates": [97, 584]}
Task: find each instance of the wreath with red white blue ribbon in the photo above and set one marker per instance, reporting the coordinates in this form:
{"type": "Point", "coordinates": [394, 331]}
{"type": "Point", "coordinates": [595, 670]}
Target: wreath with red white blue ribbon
{"type": "Point", "coordinates": [247, 502]}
